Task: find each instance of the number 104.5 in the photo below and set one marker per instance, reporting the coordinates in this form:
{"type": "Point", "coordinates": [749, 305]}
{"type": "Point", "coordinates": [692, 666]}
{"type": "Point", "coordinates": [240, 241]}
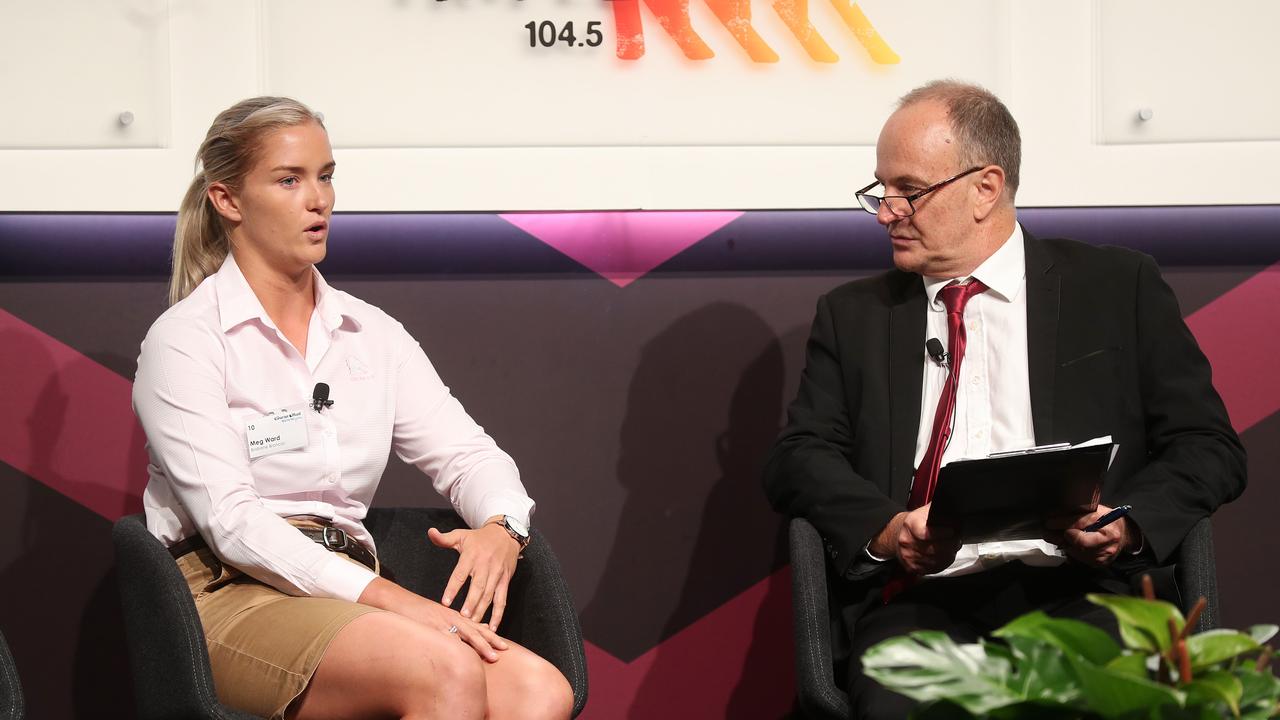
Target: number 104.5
{"type": "Point", "coordinates": [546, 34]}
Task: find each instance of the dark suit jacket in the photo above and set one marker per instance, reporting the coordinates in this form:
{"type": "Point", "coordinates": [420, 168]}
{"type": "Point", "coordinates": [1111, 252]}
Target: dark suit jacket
{"type": "Point", "coordinates": [1109, 353]}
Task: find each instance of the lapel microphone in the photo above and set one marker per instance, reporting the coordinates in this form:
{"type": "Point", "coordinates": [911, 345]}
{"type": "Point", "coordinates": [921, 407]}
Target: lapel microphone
{"type": "Point", "coordinates": [320, 397]}
{"type": "Point", "coordinates": [933, 347]}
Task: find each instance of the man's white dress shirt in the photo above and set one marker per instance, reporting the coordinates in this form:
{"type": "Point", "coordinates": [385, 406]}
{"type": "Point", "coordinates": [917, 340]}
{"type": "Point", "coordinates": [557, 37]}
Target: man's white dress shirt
{"type": "Point", "coordinates": [214, 362]}
{"type": "Point", "coordinates": [993, 396]}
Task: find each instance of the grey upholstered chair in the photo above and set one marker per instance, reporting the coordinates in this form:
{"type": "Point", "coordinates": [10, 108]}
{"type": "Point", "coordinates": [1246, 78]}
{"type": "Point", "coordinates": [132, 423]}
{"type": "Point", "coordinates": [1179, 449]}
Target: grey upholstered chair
{"type": "Point", "coordinates": [818, 694]}
{"type": "Point", "coordinates": [167, 652]}
{"type": "Point", "coordinates": [11, 706]}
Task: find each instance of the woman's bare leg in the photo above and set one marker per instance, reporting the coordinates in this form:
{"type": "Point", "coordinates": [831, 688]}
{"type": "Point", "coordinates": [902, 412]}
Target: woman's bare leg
{"type": "Point", "coordinates": [386, 665]}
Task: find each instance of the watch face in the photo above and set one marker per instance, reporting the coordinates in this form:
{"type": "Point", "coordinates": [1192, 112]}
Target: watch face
{"type": "Point", "coordinates": [521, 529]}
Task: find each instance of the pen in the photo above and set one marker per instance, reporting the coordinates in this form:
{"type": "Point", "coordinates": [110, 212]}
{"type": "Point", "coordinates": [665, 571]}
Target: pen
{"type": "Point", "coordinates": [1109, 518]}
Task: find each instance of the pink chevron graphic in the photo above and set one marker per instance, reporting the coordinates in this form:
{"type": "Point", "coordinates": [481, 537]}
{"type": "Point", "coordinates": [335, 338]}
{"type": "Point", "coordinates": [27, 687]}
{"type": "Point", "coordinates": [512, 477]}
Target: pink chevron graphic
{"type": "Point", "coordinates": [68, 422]}
{"type": "Point", "coordinates": [1236, 333]}
{"type": "Point", "coordinates": [621, 246]}
{"type": "Point", "coordinates": [736, 661]}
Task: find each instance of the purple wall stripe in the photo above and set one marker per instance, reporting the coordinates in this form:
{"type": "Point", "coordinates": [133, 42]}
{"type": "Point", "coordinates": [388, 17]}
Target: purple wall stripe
{"type": "Point", "coordinates": [107, 245]}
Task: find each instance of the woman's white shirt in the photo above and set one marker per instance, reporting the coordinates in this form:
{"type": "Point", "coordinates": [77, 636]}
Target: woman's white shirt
{"type": "Point", "coordinates": [214, 364]}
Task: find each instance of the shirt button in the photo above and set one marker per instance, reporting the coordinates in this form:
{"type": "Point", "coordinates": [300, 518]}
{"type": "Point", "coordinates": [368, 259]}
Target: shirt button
{"type": "Point", "coordinates": [974, 325]}
{"type": "Point", "coordinates": [978, 434]}
{"type": "Point", "coordinates": [975, 380]}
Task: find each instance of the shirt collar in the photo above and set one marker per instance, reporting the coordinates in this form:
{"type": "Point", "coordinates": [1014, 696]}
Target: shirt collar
{"type": "Point", "coordinates": [237, 304]}
{"type": "Point", "coordinates": [1002, 272]}
{"type": "Point", "coordinates": [331, 305]}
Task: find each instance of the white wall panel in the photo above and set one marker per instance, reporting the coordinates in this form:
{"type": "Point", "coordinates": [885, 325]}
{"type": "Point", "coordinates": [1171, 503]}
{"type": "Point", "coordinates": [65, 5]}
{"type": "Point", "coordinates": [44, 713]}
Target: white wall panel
{"type": "Point", "coordinates": [84, 74]}
{"type": "Point", "coordinates": [443, 106]}
{"type": "Point", "coordinates": [1201, 72]}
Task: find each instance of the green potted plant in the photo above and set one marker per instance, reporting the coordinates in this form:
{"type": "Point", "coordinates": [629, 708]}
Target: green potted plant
{"type": "Point", "coordinates": [1043, 667]}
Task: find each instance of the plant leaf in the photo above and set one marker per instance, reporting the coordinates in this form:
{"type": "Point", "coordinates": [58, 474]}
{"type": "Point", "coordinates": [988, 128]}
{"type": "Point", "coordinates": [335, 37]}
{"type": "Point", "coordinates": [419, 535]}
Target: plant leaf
{"type": "Point", "coordinates": [1114, 695]}
{"type": "Point", "coordinates": [1214, 646]}
{"type": "Point", "coordinates": [1133, 665]}
{"type": "Point", "coordinates": [1041, 673]}
{"type": "Point", "coordinates": [1144, 624]}
{"type": "Point", "coordinates": [1258, 686]}
{"type": "Point", "coordinates": [1216, 686]}
{"type": "Point", "coordinates": [1071, 636]}
{"type": "Point", "coordinates": [928, 665]}
{"type": "Point", "coordinates": [1263, 633]}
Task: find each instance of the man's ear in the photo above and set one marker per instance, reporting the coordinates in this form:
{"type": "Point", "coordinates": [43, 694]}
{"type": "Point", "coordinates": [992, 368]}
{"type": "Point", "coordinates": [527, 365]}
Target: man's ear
{"type": "Point", "coordinates": [224, 201]}
{"type": "Point", "coordinates": [990, 190]}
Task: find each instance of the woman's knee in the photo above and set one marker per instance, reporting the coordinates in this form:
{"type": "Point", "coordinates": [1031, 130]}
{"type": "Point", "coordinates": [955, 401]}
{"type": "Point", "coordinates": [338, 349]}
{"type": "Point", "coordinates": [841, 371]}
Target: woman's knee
{"type": "Point", "coordinates": [536, 687]}
{"type": "Point", "coordinates": [447, 673]}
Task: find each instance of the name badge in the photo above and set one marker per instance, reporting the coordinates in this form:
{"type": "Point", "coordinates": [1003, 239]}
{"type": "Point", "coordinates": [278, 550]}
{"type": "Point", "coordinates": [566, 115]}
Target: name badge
{"type": "Point", "coordinates": [277, 431]}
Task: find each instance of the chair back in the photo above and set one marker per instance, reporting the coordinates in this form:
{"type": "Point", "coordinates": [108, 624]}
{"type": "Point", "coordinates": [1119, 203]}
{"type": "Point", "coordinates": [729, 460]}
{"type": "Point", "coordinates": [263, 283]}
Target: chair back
{"type": "Point", "coordinates": [11, 705]}
{"type": "Point", "coordinates": [167, 652]}
{"type": "Point", "coordinates": [1197, 574]}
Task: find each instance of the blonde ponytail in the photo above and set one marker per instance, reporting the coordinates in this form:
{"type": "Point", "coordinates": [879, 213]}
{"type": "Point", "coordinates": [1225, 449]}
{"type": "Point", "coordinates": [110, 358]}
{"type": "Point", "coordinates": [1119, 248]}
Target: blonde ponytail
{"type": "Point", "coordinates": [201, 241]}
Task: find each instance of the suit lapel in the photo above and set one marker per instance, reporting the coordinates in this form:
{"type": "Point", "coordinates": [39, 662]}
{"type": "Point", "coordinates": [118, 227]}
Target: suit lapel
{"type": "Point", "coordinates": [1043, 300]}
{"type": "Point", "coordinates": [907, 324]}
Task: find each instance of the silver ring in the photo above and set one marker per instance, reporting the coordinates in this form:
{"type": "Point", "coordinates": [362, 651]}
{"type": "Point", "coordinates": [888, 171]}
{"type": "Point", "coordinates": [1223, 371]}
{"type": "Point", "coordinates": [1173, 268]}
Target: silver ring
{"type": "Point", "coordinates": [453, 629]}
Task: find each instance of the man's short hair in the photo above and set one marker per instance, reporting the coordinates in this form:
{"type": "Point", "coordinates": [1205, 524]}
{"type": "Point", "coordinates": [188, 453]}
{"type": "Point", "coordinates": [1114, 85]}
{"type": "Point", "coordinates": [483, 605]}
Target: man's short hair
{"type": "Point", "coordinates": [987, 132]}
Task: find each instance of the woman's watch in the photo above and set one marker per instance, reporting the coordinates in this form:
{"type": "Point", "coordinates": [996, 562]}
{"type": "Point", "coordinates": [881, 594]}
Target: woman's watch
{"type": "Point", "coordinates": [516, 529]}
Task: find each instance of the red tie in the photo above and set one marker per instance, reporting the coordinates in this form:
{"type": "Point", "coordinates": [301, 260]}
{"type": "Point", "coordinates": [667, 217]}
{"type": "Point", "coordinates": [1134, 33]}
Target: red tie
{"type": "Point", "coordinates": [954, 298]}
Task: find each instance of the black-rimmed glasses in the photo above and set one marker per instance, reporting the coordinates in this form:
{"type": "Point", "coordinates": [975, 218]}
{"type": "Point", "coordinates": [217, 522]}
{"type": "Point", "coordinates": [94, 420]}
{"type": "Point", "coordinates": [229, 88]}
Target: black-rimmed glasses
{"type": "Point", "coordinates": [902, 205]}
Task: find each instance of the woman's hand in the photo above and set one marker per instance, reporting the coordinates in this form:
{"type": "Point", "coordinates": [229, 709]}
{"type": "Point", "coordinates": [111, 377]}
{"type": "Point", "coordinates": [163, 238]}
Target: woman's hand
{"type": "Point", "coordinates": [384, 594]}
{"type": "Point", "coordinates": [488, 556]}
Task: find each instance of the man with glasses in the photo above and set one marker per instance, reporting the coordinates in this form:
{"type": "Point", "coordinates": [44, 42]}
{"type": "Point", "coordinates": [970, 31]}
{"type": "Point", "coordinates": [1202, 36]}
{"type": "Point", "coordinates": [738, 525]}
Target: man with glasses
{"type": "Point", "coordinates": [987, 339]}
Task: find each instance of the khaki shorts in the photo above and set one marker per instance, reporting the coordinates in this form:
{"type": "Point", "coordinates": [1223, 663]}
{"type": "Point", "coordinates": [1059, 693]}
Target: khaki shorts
{"type": "Point", "coordinates": [264, 645]}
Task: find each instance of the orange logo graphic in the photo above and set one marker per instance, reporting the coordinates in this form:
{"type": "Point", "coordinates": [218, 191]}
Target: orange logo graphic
{"type": "Point", "coordinates": [673, 15]}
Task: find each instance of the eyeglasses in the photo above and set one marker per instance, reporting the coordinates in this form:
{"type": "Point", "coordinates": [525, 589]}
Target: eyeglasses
{"type": "Point", "coordinates": [902, 205]}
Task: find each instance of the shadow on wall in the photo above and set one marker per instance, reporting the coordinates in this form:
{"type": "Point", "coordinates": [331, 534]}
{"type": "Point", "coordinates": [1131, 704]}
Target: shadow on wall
{"type": "Point", "coordinates": [60, 609]}
{"type": "Point", "coordinates": [704, 407]}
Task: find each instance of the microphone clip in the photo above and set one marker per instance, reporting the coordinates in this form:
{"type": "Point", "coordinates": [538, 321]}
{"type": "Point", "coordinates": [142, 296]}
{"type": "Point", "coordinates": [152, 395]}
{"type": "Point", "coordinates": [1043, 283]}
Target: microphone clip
{"type": "Point", "coordinates": [320, 397]}
{"type": "Point", "coordinates": [938, 353]}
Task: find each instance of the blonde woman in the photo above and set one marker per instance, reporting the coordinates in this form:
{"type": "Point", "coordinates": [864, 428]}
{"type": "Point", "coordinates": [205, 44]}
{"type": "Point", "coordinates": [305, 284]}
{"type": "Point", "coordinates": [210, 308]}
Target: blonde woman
{"type": "Point", "coordinates": [249, 475]}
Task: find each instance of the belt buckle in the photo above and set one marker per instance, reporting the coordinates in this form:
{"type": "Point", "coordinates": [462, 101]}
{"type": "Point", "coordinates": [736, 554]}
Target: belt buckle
{"type": "Point", "coordinates": [334, 538]}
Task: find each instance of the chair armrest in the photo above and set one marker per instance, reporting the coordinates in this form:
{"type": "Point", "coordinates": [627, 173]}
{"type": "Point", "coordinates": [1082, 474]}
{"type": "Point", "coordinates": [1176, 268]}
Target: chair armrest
{"type": "Point", "coordinates": [815, 683]}
{"type": "Point", "coordinates": [540, 613]}
{"type": "Point", "coordinates": [1196, 573]}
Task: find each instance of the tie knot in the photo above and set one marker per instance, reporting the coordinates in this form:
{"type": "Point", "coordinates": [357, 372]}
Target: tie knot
{"type": "Point", "coordinates": [955, 296]}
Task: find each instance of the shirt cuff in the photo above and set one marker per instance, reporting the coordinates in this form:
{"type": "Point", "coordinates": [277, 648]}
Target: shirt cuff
{"type": "Point", "coordinates": [872, 556]}
{"type": "Point", "coordinates": [517, 505]}
{"type": "Point", "coordinates": [1142, 543]}
{"type": "Point", "coordinates": [865, 566]}
{"type": "Point", "coordinates": [343, 579]}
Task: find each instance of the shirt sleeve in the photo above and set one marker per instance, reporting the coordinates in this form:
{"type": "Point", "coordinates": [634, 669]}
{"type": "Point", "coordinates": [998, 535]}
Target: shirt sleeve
{"type": "Point", "coordinates": [434, 433]}
{"type": "Point", "coordinates": [180, 399]}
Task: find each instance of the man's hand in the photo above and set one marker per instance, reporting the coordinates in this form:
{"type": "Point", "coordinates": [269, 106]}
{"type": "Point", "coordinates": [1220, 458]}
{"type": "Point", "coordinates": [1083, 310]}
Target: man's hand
{"type": "Point", "coordinates": [488, 556]}
{"type": "Point", "coordinates": [919, 549]}
{"type": "Point", "coordinates": [1095, 549]}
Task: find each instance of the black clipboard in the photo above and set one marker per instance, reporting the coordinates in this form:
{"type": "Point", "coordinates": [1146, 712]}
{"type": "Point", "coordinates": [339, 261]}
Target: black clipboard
{"type": "Point", "coordinates": [1008, 496]}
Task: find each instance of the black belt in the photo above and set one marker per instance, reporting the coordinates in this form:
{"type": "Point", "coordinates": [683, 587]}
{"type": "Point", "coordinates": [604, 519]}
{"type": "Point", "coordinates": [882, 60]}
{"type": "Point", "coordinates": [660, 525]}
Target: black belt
{"type": "Point", "coordinates": [331, 538]}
